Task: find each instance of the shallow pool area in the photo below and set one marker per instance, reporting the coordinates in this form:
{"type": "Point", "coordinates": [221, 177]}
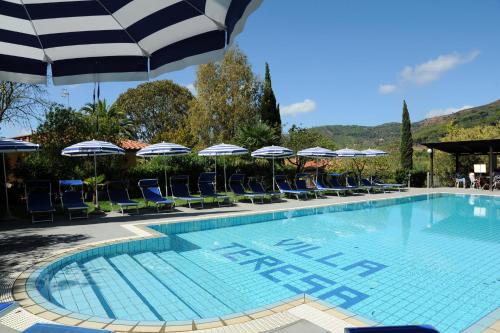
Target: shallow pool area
{"type": "Point", "coordinates": [431, 259]}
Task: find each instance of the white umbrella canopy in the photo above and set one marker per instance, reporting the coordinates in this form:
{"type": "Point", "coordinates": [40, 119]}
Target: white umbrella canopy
{"type": "Point", "coordinates": [272, 153]}
{"type": "Point", "coordinates": [374, 152]}
{"type": "Point", "coordinates": [164, 149]}
{"type": "Point", "coordinates": [113, 40]}
{"type": "Point", "coordinates": [13, 146]}
{"type": "Point", "coordinates": [93, 148]}
{"type": "Point", "coordinates": [347, 152]}
{"type": "Point", "coordinates": [317, 153]}
{"type": "Point", "coordinates": [222, 149]}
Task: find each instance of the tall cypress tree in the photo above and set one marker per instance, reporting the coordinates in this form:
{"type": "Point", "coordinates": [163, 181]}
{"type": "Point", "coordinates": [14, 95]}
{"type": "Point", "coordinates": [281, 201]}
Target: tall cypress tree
{"type": "Point", "coordinates": [269, 110]}
{"type": "Point", "coordinates": [406, 146]}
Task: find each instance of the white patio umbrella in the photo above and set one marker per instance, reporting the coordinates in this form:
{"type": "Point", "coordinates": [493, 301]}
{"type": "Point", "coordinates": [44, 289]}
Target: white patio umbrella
{"type": "Point", "coordinates": [347, 152]}
{"type": "Point", "coordinates": [164, 149]}
{"type": "Point", "coordinates": [272, 153]}
{"type": "Point", "coordinates": [13, 146]}
{"type": "Point", "coordinates": [222, 149]}
{"type": "Point", "coordinates": [93, 148]}
{"type": "Point", "coordinates": [373, 153]}
{"type": "Point", "coordinates": [317, 153]}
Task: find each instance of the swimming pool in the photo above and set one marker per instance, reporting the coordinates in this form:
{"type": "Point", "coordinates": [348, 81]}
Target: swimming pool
{"type": "Point", "coordinates": [431, 259]}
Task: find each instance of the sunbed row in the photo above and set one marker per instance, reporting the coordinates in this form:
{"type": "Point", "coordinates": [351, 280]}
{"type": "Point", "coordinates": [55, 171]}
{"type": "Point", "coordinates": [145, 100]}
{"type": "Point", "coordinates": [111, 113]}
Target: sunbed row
{"type": "Point", "coordinates": [38, 194]}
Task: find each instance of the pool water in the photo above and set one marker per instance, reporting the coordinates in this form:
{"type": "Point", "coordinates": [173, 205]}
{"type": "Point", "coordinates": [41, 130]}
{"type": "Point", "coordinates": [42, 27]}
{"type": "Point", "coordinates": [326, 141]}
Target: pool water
{"type": "Point", "coordinates": [423, 259]}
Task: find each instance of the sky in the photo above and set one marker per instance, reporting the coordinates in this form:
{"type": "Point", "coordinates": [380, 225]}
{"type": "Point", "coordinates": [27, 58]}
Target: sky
{"type": "Point", "coordinates": [354, 61]}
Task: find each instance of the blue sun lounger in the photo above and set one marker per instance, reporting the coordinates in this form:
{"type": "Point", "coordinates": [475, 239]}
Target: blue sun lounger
{"type": "Point", "coordinates": [256, 186]}
{"type": "Point", "coordinates": [71, 193]}
{"type": "Point", "coordinates": [206, 185]}
{"type": "Point", "coordinates": [151, 193]}
{"type": "Point", "coordinates": [285, 187]}
{"type": "Point", "coordinates": [179, 185]}
{"type": "Point", "coordinates": [389, 186]}
{"type": "Point", "coordinates": [38, 194]}
{"type": "Point", "coordinates": [118, 195]}
{"type": "Point", "coordinates": [367, 183]}
{"type": "Point", "coordinates": [321, 185]}
{"type": "Point", "coordinates": [301, 184]}
{"type": "Point", "coordinates": [334, 183]}
{"type": "Point", "coordinates": [236, 185]}
{"type": "Point", "coordinates": [352, 185]}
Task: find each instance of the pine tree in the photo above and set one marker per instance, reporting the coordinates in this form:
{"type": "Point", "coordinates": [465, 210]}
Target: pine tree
{"type": "Point", "coordinates": [269, 109]}
{"type": "Point", "coordinates": [406, 146]}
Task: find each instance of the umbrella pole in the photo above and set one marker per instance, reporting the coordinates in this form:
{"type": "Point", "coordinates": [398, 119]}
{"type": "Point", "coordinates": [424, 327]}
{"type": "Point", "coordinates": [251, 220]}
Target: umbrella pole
{"type": "Point", "coordinates": [166, 179]}
{"type": "Point", "coordinates": [317, 166]}
{"type": "Point", "coordinates": [95, 183]}
{"type": "Point", "coordinates": [7, 210]}
{"type": "Point", "coordinates": [273, 176]}
{"type": "Point", "coordinates": [225, 182]}
{"type": "Point", "coordinates": [215, 179]}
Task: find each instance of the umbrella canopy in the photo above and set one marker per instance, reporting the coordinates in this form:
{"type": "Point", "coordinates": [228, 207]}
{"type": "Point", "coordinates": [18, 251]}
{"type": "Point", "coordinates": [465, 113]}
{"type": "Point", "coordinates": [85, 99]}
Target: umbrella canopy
{"type": "Point", "coordinates": [110, 40]}
{"type": "Point", "coordinates": [93, 148]}
{"type": "Point", "coordinates": [373, 152]}
{"type": "Point", "coordinates": [272, 153]}
{"type": "Point", "coordinates": [164, 149]}
{"type": "Point", "coordinates": [346, 152]}
{"type": "Point", "coordinates": [12, 146]}
{"type": "Point", "coordinates": [317, 153]}
{"type": "Point", "coordinates": [222, 149]}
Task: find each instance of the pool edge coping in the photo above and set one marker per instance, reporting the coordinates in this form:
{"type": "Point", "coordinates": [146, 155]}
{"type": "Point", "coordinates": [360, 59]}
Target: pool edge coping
{"type": "Point", "coordinates": [142, 231]}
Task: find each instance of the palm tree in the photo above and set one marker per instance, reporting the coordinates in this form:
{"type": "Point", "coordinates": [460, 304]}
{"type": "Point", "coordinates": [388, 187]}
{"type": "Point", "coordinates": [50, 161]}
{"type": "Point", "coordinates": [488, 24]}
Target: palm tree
{"type": "Point", "coordinates": [256, 136]}
{"type": "Point", "coordinates": [105, 116]}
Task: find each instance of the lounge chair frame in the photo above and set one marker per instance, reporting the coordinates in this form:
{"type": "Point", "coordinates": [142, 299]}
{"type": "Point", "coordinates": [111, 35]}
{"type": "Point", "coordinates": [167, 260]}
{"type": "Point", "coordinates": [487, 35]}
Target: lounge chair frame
{"type": "Point", "coordinates": [153, 183]}
{"type": "Point", "coordinates": [282, 180]}
{"type": "Point", "coordinates": [257, 186]}
{"type": "Point", "coordinates": [206, 186]}
{"type": "Point", "coordinates": [34, 186]}
{"type": "Point", "coordinates": [72, 184]}
{"type": "Point", "coordinates": [320, 184]}
{"type": "Point", "coordinates": [122, 205]}
{"type": "Point", "coordinates": [184, 180]}
{"type": "Point", "coordinates": [236, 180]}
{"type": "Point", "coordinates": [301, 184]}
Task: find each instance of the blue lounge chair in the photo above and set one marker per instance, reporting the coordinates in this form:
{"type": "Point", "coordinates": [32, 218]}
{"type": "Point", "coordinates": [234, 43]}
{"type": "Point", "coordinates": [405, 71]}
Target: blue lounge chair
{"type": "Point", "coordinates": [285, 187]}
{"type": "Point", "coordinates": [151, 193]}
{"type": "Point", "coordinates": [334, 182]}
{"type": "Point", "coordinates": [367, 183]}
{"type": "Point", "coordinates": [179, 185]}
{"type": "Point", "coordinates": [301, 184]}
{"type": "Point", "coordinates": [206, 185]}
{"type": "Point", "coordinates": [38, 195]}
{"type": "Point", "coordinates": [54, 328]}
{"type": "Point", "coordinates": [388, 186]}
{"type": "Point", "coordinates": [71, 193]}
{"type": "Point", "coordinates": [352, 185]}
{"type": "Point", "coordinates": [321, 185]}
{"type": "Point", "coordinates": [118, 195]}
{"type": "Point", "coordinates": [256, 186]}
{"type": "Point", "coordinates": [236, 186]}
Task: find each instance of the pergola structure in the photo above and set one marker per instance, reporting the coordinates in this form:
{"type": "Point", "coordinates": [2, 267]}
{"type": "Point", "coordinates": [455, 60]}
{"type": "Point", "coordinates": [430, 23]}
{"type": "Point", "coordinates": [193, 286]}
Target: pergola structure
{"type": "Point", "coordinates": [462, 148]}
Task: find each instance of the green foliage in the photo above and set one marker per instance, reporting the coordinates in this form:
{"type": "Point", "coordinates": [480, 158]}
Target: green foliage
{"type": "Point", "coordinates": [269, 110]}
{"type": "Point", "coordinates": [156, 109]}
{"type": "Point", "coordinates": [257, 136]}
{"type": "Point", "coordinates": [108, 123]}
{"type": "Point", "coordinates": [228, 95]}
{"type": "Point", "coordinates": [406, 145]}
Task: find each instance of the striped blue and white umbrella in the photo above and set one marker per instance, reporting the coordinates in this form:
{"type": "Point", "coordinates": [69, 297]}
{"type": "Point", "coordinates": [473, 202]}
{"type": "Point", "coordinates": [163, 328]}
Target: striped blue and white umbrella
{"type": "Point", "coordinates": [93, 148]}
{"type": "Point", "coordinates": [317, 153]}
{"type": "Point", "coordinates": [272, 153]}
{"type": "Point", "coordinates": [113, 40]}
{"type": "Point", "coordinates": [13, 146]}
{"type": "Point", "coordinates": [164, 149]}
{"type": "Point", "coordinates": [346, 152]}
{"type": "Point", "coordinates": [222, 149]}
{"type": "Point", "coordinates": [374, 152]}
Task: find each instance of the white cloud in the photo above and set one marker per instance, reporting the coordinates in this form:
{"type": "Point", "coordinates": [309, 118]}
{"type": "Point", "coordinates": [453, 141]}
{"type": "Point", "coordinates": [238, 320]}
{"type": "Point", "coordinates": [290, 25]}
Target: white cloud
{"type": "Point", "coordinates": [386, 88]}
{"type": "Point", "coordinates": [429, 71]}
{"type": "Point", "coordinates": [443, 112]}
{"type": "Point", "coordinates": [301, 107]}
{"type": "Point", "coordinates": [191, 88]}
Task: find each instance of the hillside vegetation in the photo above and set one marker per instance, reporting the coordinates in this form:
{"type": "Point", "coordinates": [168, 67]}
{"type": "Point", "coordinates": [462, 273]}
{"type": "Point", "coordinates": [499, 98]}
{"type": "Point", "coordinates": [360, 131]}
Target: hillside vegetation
{"type": "Point", "coordinates": [427, 130]}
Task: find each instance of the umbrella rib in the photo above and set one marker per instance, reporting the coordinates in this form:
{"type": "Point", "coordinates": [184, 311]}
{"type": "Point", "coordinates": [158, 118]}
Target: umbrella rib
{"type": "Point", "coordinates": [217, 23]}
{"type": "Point", "coordinates": [47, 59]}
{"type": "Point", "coordinates": [146, 53]}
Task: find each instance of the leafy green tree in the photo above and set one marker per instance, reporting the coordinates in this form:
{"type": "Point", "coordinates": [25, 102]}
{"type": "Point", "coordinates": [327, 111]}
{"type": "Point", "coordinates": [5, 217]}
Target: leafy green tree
{"type": "Point", "coordinates": [406, 145]}
{"type": "Point", "coordinates": [269, 109]}
{"type": "Point", "coordinates": [20, 103]}
{"type": "Point", "coordinates": [257, 136]}
{"type": "Point", "coordinates": [299, 138]}
{"type": "Point", "coordinates": [109, 122]}
{"type": "Point", "coordinates": [156, 109]}
{"type": "Point", "coordinates": [228, 95]}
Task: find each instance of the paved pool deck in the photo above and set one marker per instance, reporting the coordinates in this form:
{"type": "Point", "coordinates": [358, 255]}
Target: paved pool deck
{"type": "Point", "coordinates": [23, 244]}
